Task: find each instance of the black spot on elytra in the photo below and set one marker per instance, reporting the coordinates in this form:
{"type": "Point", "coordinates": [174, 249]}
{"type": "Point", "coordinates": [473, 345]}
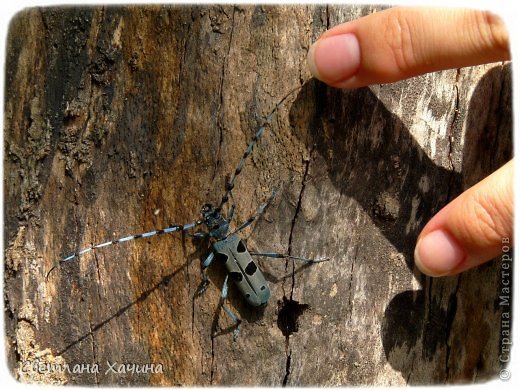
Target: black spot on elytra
{"type": "Point", "coordinates": [236, 276]}
{"type": "Point", "coordinates": [241, 248]}
{"type": "Point", "coordinates": [251, 268]}
{"type": "Point", "coordinates": [221, 257]}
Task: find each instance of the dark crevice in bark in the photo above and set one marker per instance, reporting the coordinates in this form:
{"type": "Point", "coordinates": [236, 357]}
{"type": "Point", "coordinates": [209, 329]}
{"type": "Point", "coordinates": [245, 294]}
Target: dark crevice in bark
{"type": "Point", "coordinates": [92, 343]}
{"type": "Point", "coordinates": [287, 369]}
{"type": "Point", "coordinates": [328, 17]}
{"type": "Point", "coordinates": [293, 222]}
{"type": "Point", "coordinates": [451, 311]}
{"type": "Point", "coordinates": [294, 308]}
{"type": "Point", "coordinates": [350, 281]}
{"type": "Point", "coordinates": [212, 365]}
{"type": "Point", "coordinates": [453, 128]}
{"type": "Point", "coordinates": [220, 127]}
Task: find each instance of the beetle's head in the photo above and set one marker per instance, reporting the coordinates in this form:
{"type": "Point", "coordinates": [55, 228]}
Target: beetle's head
{"type": "Point", "coordinates": [209, 212]}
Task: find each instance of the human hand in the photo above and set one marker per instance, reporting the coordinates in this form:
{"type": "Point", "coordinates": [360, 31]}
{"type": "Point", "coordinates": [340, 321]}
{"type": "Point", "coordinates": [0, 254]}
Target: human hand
{"type": "Point", "coordinates": [402, 42]}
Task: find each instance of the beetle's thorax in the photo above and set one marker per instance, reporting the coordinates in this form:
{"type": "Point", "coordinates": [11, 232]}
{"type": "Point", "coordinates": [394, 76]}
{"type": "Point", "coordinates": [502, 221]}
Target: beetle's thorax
{"type": "Point", "coordinates": [217, 225]}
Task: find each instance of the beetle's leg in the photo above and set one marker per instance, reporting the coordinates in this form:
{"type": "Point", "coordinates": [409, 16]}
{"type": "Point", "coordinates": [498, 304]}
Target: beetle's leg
{"type": "Point", "coordinates": [259, 211]}
{"type": "Point", "coordinates": [223, 296]}
{"type": "Point", "coordinates": [203, 286]}
{"type": "Point", "coordinates": [205, 281]}
{"type": "Point", "coordinates": [198, 234]}
{"type": "Point", "coordinates": [207, 262]}
{"type": "Point", "coordinates": [284, 256]}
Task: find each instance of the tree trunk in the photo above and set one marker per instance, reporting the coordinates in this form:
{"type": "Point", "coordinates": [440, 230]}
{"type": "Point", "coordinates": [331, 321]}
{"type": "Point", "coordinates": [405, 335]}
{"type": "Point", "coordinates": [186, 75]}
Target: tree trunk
{"type": "Point", "coordinates": [122, 120]}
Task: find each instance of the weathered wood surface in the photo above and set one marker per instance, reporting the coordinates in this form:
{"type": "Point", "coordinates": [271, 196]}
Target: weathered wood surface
{"type": "Point", "coordinates": [123, 120]}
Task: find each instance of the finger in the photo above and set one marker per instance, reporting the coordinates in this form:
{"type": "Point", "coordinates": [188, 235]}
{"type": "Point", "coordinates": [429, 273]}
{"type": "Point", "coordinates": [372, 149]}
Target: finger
{"type": "Point", "coordinates": [470, 230]}
{"type": "Point", "coordinates": [402, 42]}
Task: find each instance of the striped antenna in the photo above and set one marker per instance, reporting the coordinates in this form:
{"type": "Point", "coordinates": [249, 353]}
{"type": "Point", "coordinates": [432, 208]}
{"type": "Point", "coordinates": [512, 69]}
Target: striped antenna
{"type": "Point", "coordinates": [231, 183]}
{"type": "Point", "coordinates": [171, 229]}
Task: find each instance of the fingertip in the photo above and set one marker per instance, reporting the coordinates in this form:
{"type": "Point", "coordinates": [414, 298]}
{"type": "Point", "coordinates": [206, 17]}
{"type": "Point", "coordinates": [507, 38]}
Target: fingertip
{"type": "Point", "coordinates": [403, 42]}
{"type": "Point", "coordinates": [471, 229]}
{"type": "Point", "coordinates": [438, 253]}
{"type": "Point", "coordinates": [335, 59]}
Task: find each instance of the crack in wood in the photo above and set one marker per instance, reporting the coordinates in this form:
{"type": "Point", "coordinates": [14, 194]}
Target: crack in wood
{"type": "Point", "coordinates": [499, 118]}
{"type": "Point", "coordinates": [293, 307]}
{"type": "Point", "coordinates": [454, 122]}
{"type": "Point", "coordinates": [450, 318]}
{"type": "Point", "coordinates": [212, 365]}
{"type": "Point", "coordinates": [92, 343]}
{"type": "Point", "coordinates": [350, 283]}
{"type": "Point", "coordinates": [287, 369]}
{"type": "Point", "coordinates": [221, 87]}
{"type": "Point", "coordinates": [293, 222]}
{"type": "Point", "coordinates": [451, 131]}
{"type": "Point", "coordinates": [328, 17]}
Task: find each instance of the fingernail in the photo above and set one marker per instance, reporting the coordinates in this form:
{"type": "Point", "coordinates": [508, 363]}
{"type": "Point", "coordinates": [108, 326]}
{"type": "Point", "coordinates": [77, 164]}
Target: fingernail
{"type": "Point", "coordinates": [438, 253]}
{"type": "Point", "coordinates": [336, 58]}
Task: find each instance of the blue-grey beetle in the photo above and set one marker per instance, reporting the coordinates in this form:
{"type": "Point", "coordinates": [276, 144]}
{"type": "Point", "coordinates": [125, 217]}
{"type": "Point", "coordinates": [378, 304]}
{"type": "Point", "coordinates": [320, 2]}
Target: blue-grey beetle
{"type": "Point", "coordinates": [242, 270]}
{"type": "Point", "coordinates": [227, 246]}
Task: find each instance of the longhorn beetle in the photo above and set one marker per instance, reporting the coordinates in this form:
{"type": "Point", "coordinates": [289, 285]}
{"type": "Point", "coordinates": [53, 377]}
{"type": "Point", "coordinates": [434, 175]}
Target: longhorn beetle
{"type": "Point", "coordinates": [227, 247]}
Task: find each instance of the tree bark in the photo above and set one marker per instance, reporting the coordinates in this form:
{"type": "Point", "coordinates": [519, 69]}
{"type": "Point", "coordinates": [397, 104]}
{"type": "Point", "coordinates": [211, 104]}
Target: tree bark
{"type": "Point", "coordinates": [121, 120]}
